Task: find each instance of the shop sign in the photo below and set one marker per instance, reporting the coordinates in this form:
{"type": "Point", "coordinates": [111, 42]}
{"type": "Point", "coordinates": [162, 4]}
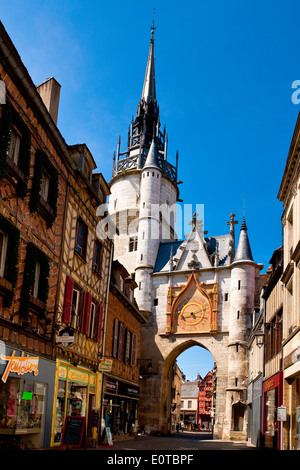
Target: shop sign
{"type": "Point", "coordinates": [20, 365]}
{"type": "Point", "coordinates": [111, 386]}
{"type": "Point", "coordinates": [281, 413]}
{"type": "Point", "coordinates": [105, 365]}
{"type": "Point", "coordinates": [78, 376]}
{"type": "Point", "coordinates": [65, 338]}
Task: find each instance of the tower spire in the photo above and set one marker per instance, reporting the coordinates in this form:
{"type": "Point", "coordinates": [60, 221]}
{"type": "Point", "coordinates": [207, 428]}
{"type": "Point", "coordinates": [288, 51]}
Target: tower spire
{"type": "Point", "coordinates": [149, 88]}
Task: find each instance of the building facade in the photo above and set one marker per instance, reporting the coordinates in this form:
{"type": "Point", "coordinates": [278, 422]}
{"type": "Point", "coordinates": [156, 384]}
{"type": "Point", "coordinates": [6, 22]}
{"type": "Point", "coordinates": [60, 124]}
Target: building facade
{"type": "Point", "coordinates": [198, 291]}
{"type": "Point", "coordinates": [120, 400]}
{"type": "Point", "coordinates": [82, 298]}
{"type": "Point", "coordinates": [34, 171]}
{"type": "Point", "coordinates": [205, 400]}
{"type": "Point", "coordinates": [289, 195]}
{"type": "Point", "coordinates": [189, 405]}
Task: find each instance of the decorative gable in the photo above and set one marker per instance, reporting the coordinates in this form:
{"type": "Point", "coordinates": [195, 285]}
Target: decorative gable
{"type": "Point", "coordinates": [192, 308]}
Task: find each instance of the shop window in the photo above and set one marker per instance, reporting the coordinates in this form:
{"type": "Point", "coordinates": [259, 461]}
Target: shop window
{"type": "Point", "coordinates": [22, 410]}
{"type": "Point", "coordinates": [60, 410]}
{"type": "Point", "coordinates": [81, 238]}
{"type": "Point", "coordinates": [98, 254]}
{"type": "Point", "coordinates": [44, 192]}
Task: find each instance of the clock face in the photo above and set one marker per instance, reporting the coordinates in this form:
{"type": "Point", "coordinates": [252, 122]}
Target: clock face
{"type": "Point", "coordinates": [192, 313]}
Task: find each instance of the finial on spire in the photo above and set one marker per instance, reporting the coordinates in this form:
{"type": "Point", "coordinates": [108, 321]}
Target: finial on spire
{"type": "Point", "coordinates": [152, 26]}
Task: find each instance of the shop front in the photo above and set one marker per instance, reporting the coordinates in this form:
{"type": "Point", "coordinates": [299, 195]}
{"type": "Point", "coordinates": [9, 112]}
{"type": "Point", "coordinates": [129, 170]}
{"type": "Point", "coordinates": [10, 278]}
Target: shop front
{"type": "Point", "coordinates": [272, 399]}
{"type": "Point", "coordinates": [26, 399]}
{"type": "Point", "coordinates": [77, 393]}
{"type": "Point", "coordinates": [119, 406]}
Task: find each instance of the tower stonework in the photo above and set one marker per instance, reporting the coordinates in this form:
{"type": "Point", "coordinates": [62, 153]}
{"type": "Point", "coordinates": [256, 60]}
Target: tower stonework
{"type": "Point", "coordinates": [196, 291]}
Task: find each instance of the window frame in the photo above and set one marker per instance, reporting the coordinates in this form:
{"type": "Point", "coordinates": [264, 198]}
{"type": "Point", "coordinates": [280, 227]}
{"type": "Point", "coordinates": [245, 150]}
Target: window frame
{"type": "Point", "coordinates": [83, 245]}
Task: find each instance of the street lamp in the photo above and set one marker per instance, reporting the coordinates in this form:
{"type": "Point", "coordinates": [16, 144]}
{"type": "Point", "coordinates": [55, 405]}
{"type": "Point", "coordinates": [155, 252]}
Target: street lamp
{"type": "Point", "coordinates": [259, 338]}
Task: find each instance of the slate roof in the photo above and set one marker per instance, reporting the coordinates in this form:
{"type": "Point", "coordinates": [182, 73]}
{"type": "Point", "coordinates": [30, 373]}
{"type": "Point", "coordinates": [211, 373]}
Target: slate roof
{"type": "Point", "coordinates": [164, 251]}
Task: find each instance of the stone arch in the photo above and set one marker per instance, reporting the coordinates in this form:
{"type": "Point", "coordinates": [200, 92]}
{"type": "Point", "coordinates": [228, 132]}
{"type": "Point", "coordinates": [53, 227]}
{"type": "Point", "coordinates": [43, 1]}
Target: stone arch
{"type": "Point", "coordinates": [156, 409]}
{"type": "Point", "coordinates": [180, 348]}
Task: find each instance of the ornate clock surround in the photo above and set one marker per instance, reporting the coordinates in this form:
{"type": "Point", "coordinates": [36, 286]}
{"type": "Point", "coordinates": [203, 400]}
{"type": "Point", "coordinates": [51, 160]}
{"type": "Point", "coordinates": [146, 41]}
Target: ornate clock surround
{"type": "Point", "coordinates": [192, 308]}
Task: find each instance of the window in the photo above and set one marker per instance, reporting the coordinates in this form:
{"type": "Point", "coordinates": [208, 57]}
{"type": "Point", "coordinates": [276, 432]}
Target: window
{"type": "Point", "coordinates": [3, 253]}
{"type": "Point", "coordinates": [34, 292]}
{"type": "Point", "coordinates": [75, 307]}
{"type": "Point", "coordinates": [9, 255]}
{"type": "Point", "coordinates": [15, 145]}
{"type": "Point", "coordinates": [14, 148]}
{"type": "Point", "coordinates": [37, 272]}
{"type": "Point", "coordinates": [133, 243]}
{"type": "Point", "coordinates": [97, 260]}
{"type": "Point", "coordinates": [44, 192]}
{"type": "Point", "coordinates": [81, 238]}
{"type": "Point", "coordinates": [92, 320]}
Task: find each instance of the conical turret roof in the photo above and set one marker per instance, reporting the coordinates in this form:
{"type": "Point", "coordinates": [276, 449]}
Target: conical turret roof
{"type": "Point", "coordinates": [243, 251]}
{"type": "Point", "coordinates": [152, 157]}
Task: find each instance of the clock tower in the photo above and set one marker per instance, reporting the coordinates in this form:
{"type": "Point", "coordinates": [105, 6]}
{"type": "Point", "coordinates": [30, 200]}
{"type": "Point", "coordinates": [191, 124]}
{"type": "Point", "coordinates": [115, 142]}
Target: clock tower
{"type": "Point", "coordinates": [197, 291]}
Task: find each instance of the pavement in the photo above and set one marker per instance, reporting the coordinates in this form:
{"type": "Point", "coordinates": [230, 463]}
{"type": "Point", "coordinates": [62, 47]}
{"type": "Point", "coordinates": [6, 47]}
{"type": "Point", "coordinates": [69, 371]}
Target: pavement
{"type": "Point", "coordinates": [180, 442]}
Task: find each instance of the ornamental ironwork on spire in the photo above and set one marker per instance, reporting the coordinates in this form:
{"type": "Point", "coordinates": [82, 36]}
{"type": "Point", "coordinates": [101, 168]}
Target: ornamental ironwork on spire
{"type": "Point", "coordinates": [145, 129]}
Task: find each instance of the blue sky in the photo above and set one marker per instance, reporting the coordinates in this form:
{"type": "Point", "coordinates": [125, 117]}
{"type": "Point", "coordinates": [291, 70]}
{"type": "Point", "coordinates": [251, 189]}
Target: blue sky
{"type": "Point", "coordinates": [224, 73]}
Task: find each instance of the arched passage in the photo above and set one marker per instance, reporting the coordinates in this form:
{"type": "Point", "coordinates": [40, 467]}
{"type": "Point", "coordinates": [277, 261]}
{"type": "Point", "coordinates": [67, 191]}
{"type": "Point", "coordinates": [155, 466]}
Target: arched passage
{"type": "Point", "coordinates": [192, 390]}
{"type": "Point", "coordinates": [183, 386]}
{"type": "Point", "coordinates": [155, 402]}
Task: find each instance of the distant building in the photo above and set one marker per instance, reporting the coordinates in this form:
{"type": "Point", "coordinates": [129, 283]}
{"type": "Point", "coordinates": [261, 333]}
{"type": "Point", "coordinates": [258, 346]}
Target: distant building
{"type": "Point", "coordinates": [177, 381]}
{"type": "Point", "coordinates": [189, 404]}
{"type": "Point", "coordinates": [205, 400]}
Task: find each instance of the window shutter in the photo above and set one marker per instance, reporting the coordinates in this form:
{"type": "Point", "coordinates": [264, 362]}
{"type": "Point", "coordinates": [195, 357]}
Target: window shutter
{"type": "Point", "coordinates": [120, 343]}
{"type": "Point", "coordinates": [127, 347]}
{"type": "Point", "coordinates": [115, 338]}
{"type": "Point", "coordinates": [133, 349]}
{"type": "Point", "coordinates": [100, 321]}
{"type": "Point", "coordinates": [87, 303]}
{"type": "Point", "coordinates": [66, 316]}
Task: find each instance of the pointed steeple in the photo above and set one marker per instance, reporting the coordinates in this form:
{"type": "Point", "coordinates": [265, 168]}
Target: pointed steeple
{"type": "Point", "coordinates": [149, 88]}
{"type": "Point", "coordinates": [152, 157]}
{"type": "Point", "coordinates": [243, 252]}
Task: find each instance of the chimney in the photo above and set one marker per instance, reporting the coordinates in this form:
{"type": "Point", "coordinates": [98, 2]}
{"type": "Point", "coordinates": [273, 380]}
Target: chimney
{"type": "Point", "coordinates": [49, 92]}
